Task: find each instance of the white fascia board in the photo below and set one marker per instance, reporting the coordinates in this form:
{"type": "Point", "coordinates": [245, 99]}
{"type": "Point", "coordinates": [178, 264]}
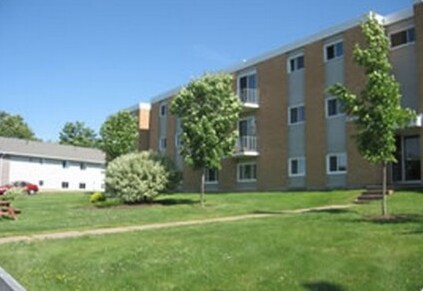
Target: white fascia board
{"type": "Point", "coordinates": [52, 157]}
{"type": "Point", "coordinates": [299, 44]}
{"type": "Point", "coordinates": [166, 95]}
{"type": "Point", "coordinates": [398, 16]}
{"type": "Point", "coordinates": [337, 29]}
{"type": "Point", "coordinates": [141, 105]}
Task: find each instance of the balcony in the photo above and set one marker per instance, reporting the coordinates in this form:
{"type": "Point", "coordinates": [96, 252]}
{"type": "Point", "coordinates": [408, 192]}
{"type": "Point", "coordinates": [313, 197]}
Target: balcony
{"type": "Point", "coordinates": [249, 98]}
{"type": "Point", "coordinates": [417, 122]}
{"type": "Point", "coordinates": [246, 146]}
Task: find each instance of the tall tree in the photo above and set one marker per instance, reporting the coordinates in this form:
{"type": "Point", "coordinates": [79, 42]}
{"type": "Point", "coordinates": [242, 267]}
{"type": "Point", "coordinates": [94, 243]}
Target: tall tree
{"type": "Point", "coordinates": [119, 134]}
{"type": "Point", "coordinates": [208, 110]}
{"type": "Point", "coordinates": [377, 109]}
{"type": "Point", "coordinates": [15, 126]}
{"type": "Point", "coordinates": [78, 134]}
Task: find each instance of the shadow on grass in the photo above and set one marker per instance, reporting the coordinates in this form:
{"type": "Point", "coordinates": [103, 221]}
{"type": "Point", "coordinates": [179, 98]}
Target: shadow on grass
{"type": "Point", "coordinates": [395, 219]}
{"type": "Point", "coordinates": [323, 286]}
{"type": "Point", "coordinates": [175, 201]}
{"type": "Point", "coordinates": [330, 211]}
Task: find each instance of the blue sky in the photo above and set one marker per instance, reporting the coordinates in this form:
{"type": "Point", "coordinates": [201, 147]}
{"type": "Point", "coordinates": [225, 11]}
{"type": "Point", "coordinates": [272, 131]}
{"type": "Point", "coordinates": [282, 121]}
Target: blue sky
{"type": "Point", "coordinates": [82, 60]}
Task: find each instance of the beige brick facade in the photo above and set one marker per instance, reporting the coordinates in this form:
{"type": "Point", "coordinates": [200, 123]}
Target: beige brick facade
{"type": "Point", "coordinates": [360, 172]}
{"type": "Point", "coordinates": [154, 126]}
{"type": "Point", "coordinates": [271, 120]}
{"type": "Point", "coordinates": [315, 128]}
{"type": "Point", "coordinates": [144, 129]}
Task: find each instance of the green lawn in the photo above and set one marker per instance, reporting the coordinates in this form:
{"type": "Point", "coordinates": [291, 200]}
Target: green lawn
{"type": "Point", "coordinates": [326, 250]}
{"type": "Point", "coordinates": [70, 211]}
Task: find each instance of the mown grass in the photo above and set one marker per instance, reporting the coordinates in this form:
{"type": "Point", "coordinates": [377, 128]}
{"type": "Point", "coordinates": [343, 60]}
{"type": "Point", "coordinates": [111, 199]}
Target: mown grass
{"type": "Point", "coordinates": [323, 250]}
{"type": "Point", "coordinates": [48, 212]}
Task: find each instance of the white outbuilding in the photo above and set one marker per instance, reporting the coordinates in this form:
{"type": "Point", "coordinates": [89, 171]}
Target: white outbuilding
{"type": "Point", "coordinates": [51, 166]}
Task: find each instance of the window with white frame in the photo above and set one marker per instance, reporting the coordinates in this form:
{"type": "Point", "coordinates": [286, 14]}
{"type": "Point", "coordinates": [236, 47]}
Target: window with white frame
{"type": "Point", "coordinates": [334, 107]}
{"type": "Point", "coordinates": [295, 63]}
{"type": "Point", "coordinates": [334, 50]}
{"type": "Point", "coordinates": [247, 87]}
{"type": "Point", "coordinates": [211, 176]}
{"type": "Point", "coordinates": [247, 172]}
{"type": "Point", "coordinates": [336, 163]}
{"type": "Point", "coordinates": [162, 144]}
{"type": "Point", "coordinates": [178, 140]}
{"type": "Point", "coordinates": [403, 37]}
{"type": "Point", "coordinates": [296, 114]}
{"type": "Point", "coordinates": [296, 167]}
{"type": "Point", "coordinates": [163, 109]}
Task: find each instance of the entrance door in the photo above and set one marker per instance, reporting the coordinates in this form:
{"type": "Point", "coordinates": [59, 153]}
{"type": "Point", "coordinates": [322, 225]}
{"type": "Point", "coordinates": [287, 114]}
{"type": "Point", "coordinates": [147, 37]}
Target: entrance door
{"type": "Point", "coordinates": [408, 156]}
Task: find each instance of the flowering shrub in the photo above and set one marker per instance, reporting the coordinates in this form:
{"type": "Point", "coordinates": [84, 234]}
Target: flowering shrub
{"type": "Point", "coordinates": [140, 177]}
{"type": "Point", "coordinates": [96, 197]}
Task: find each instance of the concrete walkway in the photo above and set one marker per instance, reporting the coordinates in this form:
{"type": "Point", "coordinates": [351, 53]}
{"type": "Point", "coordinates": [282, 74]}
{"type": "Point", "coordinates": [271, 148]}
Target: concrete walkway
{"type": "Point", "coordinates": [123, 229]}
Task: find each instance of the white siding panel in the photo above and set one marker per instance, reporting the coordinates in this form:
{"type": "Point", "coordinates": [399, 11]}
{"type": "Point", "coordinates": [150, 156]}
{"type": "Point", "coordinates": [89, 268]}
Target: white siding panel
{"type": "Point", "coordinates": [52, 173]}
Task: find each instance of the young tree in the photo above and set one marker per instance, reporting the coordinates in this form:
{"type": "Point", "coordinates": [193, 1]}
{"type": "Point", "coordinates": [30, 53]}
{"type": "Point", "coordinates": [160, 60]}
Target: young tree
{"type": "Point", "coordinates": [15, 126]}
{"type": "Point", "coordinates": [377, 109]}
{"type": "Point", "coordinates": [77, 134]}
{"type": "Point", "coordinates": [208, 110]}
{"type": "Point", "coordinates": [119, 134]}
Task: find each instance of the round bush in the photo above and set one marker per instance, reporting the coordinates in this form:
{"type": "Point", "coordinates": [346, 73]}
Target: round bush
{"type": "Point", "coordinates": [139, 177]}
{"type": "Point", "coordinates": [96, 197]}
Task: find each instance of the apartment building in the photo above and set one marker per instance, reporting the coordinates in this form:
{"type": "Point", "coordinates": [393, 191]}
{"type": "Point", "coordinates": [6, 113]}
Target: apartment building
{"type": "Point", "coordinates": [292, 134]}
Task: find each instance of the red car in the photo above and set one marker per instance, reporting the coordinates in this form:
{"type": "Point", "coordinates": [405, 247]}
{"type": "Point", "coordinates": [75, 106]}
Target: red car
{"type": "Point", "coordinates": [25, 186]}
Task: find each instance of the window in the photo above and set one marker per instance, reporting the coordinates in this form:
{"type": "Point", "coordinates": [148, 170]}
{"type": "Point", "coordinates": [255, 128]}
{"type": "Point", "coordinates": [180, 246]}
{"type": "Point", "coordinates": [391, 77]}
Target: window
{"type": "Point", "coordinates": [211, 176]}
{"type": "Point", "coordinates": [41, 183]}
{"type": "Point", "coordinates": [336, 163]}
{"type": "Point", "coordinates": [247, 172]}
{"type": "Point", "coordinates": [178, 140]}
{"type": "Point", "coordinates": [334, 50]}
{"type": "Point", "coordinates": [82, 186]}
{"type": "Point", "coordinates": [247, 85]}
{"type": "Point", "coordinates": [295, 63]}
{"type": "Point", "coordinates": [65, 185]}
{"type": "Point", "coordinates": [163, 110]}
{"type": "Point", "coordinates": [162, 144]}
{"type": "Point", "coordinates": [296, 114]}
{"type": "Point", "coordinates": [334, 107]}
{"type": "Point", "coordinates": [65, 164]}
{"type": "Point", "coordinates": [403, 37]}
{"type": "Point", "coordinates": [296, 167]}
{"type": "Point", "coordinates": [83, 166]}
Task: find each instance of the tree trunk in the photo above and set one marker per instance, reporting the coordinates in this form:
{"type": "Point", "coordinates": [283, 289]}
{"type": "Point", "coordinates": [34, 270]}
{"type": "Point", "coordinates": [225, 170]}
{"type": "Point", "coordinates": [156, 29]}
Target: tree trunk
{"type": "Point", "coordinates": [202, 187]}
{"type": "Point", "coordinates": [384, 191]}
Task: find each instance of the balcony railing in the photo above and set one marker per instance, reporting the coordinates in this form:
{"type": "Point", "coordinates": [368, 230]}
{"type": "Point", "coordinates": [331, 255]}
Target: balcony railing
{"type": "Point", "coordinates": [249, 97]}
{"type": "Point", "coordinates": [246, 145]}
{"type": "Point", "coordinates": [418, 122]}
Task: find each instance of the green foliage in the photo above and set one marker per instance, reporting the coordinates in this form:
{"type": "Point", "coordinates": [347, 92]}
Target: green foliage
{"type": "Point", "coordinates": [78, 134]}
{"type": "Point", "coordinates": [377, 110]}
{"type": "Point", "coordinates": [12, 193]}
{"type": "Point", "coordinates": [15, 126]}
{"type": "Point", "coordinates": [97, 197]}
{"type": "Point", "coordinates": [208, 110]}
{"type": "Point", "coordinates": [140, 177]}
{"type": "Point", "coordinates": [119, 134]}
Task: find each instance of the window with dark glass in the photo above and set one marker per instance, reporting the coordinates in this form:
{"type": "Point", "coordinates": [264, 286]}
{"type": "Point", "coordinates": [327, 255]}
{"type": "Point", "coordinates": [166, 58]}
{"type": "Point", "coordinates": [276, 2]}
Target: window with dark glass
{"type": "Point", "coordinates": [335, 50]}
{"type": "Point", "coordinates": [296, 114]}
{"type": "Point", "coordinates": [403, 37]}
{"type": "Point", "coordinates": [296, 63]}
